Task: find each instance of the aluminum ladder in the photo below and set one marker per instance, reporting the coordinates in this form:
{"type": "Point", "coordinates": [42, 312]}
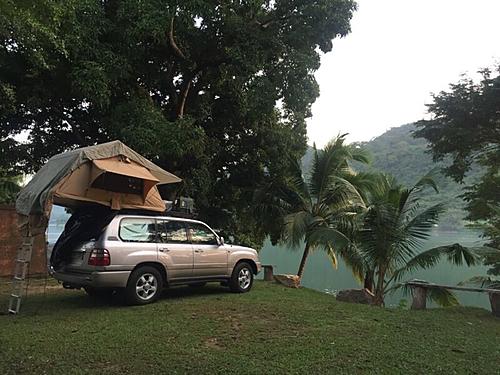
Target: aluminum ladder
{"type": "Point", "coordinates": [21, 270]}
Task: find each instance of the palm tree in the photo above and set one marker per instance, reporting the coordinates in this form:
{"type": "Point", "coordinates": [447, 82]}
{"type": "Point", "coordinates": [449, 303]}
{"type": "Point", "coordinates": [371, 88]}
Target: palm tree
{"type": "Point", "coordinates": [318, 210]}
{"type": "Point", "coordinates": [392, 230]}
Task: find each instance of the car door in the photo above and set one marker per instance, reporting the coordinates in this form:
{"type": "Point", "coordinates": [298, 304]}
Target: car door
{"type": "Point", "coordinates": [210, 259]}
{"type": "Point", "coordinates": [174, 249]}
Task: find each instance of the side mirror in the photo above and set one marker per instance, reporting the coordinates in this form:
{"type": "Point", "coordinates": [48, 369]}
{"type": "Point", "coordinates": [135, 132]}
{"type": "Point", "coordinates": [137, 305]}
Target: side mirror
{"type": "Point", "coordinates": [221, 241]}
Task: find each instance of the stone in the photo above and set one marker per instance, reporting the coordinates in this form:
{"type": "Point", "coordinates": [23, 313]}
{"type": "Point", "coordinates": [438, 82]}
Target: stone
{"type": "Point", "coordinates": [10, 241]}
{"type": "Point", "coordinates": [291, 281]}
{"type": "Point", "coordinates": [363, 296]}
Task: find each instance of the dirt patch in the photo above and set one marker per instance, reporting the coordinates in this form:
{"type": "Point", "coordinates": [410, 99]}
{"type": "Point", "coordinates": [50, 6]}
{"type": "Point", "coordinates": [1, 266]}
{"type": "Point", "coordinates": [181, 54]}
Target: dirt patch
{"type": "Point", "coordinates": [213, 343]}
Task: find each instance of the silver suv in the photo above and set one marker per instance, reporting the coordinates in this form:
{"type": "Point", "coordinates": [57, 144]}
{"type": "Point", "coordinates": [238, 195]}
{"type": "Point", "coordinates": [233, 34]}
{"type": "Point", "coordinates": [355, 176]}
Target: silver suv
{"type": "Point", "coordinates": [141, 255]}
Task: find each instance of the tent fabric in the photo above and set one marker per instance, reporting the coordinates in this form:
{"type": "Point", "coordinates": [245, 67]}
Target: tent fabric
{"type": "Point", "coordinates": [41, 192]}
{"type": "Point", "coordinates": [76, 189]}
{"type": "Point", "coordinates": [124, 167]}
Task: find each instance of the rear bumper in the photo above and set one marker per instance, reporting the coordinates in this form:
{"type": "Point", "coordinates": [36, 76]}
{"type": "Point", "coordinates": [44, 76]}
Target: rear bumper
{"type": "Point", "coordinates": [105, 279]}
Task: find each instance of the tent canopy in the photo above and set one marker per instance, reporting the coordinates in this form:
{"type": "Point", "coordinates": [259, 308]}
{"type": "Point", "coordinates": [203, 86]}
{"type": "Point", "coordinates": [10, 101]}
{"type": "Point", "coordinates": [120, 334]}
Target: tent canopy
{"type": "Point", "coordinates": [109, 174]}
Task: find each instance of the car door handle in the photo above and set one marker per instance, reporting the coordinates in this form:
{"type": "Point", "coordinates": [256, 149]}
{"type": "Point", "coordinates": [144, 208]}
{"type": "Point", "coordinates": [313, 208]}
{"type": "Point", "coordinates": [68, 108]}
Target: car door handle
{"type": "Point", "coordinates": [164, 249]}
{"type": "Point", "coordinates": [198, 251]}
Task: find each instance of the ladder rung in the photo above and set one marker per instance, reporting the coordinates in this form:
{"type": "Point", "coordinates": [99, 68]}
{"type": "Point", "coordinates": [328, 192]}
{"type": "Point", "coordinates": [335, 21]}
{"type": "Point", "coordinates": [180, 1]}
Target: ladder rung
{"type": "Point", "coordinates": [22, 262]}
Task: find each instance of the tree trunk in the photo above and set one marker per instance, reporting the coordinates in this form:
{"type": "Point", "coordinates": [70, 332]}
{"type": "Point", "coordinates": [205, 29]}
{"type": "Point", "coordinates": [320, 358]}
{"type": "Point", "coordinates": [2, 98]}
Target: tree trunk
{"type": "Point", "coordinates": [303, 262]}
{"type": "Point", "coordinates": [379, 290]}
{"type": "Point", "coordinates": [368, 282]}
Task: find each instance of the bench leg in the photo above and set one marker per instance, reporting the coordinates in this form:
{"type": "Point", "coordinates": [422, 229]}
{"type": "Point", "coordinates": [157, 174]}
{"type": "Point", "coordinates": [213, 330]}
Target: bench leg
{"type": "Point", "coordinates": [268, 273]}
{"type": "Point", "coordinates": [419, 298]}
{"type": "Point", "coordinates": [495, 303]}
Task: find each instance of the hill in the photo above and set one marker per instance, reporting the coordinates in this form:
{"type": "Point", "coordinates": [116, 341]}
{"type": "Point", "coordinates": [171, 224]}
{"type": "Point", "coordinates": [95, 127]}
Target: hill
{"type": "Point", "coordinates": [398, 153]}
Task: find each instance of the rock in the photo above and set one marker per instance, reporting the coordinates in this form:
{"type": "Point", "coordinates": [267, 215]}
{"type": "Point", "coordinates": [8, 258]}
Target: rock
{"type": "Point", "coordinates": [291, 281]}
{"type": "Point", "coordinates": [363, 296]}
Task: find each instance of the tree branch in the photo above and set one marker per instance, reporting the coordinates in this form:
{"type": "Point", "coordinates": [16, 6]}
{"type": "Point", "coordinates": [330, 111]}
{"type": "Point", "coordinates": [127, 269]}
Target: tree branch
{"type": "Point", "coordinates": [183, 97]}
{"type": "Point", "coordinates": [172, 43]}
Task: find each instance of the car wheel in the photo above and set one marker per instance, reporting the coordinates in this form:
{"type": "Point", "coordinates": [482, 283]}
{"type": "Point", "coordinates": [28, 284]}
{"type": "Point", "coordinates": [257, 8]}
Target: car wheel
{"type": "Point", "coordinates": [197, 285]}
{"type": "Point", "coordinates": [144, 286]}
{"type": "Point", "coordinates": [241, 278]}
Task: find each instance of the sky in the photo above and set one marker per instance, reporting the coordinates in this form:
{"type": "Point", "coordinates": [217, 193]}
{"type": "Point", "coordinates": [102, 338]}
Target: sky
{"type": "Point", "coordinates": [399, 52]}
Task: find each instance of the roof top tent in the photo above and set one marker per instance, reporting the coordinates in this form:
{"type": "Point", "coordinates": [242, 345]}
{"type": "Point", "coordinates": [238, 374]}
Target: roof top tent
{"type": "Point", "coordinates": [104, 178]}
{"type": "Point", "coordinates": [110, 174]}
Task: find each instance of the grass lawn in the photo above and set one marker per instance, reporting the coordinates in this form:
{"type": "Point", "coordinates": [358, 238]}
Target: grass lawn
{"type": "Point", "coordinates": [272, 329]}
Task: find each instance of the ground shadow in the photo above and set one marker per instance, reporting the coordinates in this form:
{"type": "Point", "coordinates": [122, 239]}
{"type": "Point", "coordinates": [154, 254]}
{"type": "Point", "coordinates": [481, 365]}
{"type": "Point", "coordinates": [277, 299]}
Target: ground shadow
{"type": "Point", "coordinates": [67, 300]}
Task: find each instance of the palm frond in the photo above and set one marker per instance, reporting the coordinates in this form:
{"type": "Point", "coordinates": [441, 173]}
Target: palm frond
{"type": "Point", "coordinates": [332, 257]}
{"type": "Point", "coordinates": [482, 282]}
{"type": "Point", "coordinates": [410, 197]}
{"type": "Point", "coordinates": [427, 181]}
{"type": "Point", "coordinates": [332, 162]}
{"type": "Point", "coordinates": [296, 227]}
{"type": "Point", "coordinates": [455, 253]}
{"type": "Point", "coordinates": [354, 260]}
{"type": "Point", "coordinates": [440, 296]}
{"type": "Point", "coordinates": [420, 225]}
{"type": "Point", "coordinates": [359, 154]}
{"type": "Point", "coordinates": [327, 238]}
{"type": "Point", "coordinates": [296, 179]}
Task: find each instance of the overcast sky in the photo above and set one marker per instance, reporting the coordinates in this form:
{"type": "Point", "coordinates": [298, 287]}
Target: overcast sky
{"type": "Point", "coordinates": [398, 53]}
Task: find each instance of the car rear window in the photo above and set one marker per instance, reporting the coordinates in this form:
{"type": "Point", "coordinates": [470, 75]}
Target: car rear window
{"type": "Point", "coordinates": [138, 230]}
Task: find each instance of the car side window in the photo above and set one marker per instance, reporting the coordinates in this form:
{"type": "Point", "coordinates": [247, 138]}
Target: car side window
{"type": "Point", "coordinates": [200, 234]}
{"type": "Point", "coordinates": [137, 230]}
{"type": "Point", "coordinates": [172, 231]}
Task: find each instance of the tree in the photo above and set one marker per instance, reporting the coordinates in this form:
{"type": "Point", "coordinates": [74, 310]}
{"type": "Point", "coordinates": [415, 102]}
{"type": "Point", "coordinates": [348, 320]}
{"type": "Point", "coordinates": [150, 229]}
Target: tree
{"type": "Point", "coordinates": [318, 210]}
{"type": "Point", "coordinates": [392, 230]}
{"type": "Point", "coordinates": [9, 187]}
{"type": "Point", "coordinates": [466, 128]}
{"type": "Point", "coordinates": [192, 85]}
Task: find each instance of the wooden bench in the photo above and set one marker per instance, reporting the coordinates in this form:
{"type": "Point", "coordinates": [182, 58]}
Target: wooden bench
{"type": "Point", "coordinates": [419, 292]}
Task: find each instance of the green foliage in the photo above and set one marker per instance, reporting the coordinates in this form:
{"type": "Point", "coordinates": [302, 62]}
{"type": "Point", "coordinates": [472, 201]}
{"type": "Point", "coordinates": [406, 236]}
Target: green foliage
{"type": "Point", "coordinates": [406, 158]}
{"type": "Point", "coordinates": [193, 85]}
{"type": "Point", "coordinates": [440, 296]}
{"type": "Point", "coordinates": [490, 257]}
{"type": "Point", "coordinates": [391, 232]}
{"type": "Point", "coordinates": [465, 127]}
{"type": "Point", "coordinates": [317, 209]}
{"type": "Point", "coordinates": [9, 187]}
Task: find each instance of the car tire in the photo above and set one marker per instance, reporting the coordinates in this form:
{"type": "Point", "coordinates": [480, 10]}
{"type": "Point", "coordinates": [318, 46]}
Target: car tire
{"type": "Point", "coordinates": [242, 278]}
{"type": "Point", "coordinates": [197, 285]}
{"type": "Point", "coordinates": [144, 286]}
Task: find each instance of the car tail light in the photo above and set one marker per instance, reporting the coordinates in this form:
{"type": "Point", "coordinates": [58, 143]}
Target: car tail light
{"type": "Point", "coordinates": [99, 257]}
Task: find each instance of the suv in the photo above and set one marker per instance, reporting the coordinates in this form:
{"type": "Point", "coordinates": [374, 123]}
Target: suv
{"type": "Point", "coordinates": [142, 254]}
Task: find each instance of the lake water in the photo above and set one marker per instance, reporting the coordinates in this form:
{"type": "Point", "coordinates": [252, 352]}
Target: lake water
{"type": "Point", "coordinates": [320, 275]}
